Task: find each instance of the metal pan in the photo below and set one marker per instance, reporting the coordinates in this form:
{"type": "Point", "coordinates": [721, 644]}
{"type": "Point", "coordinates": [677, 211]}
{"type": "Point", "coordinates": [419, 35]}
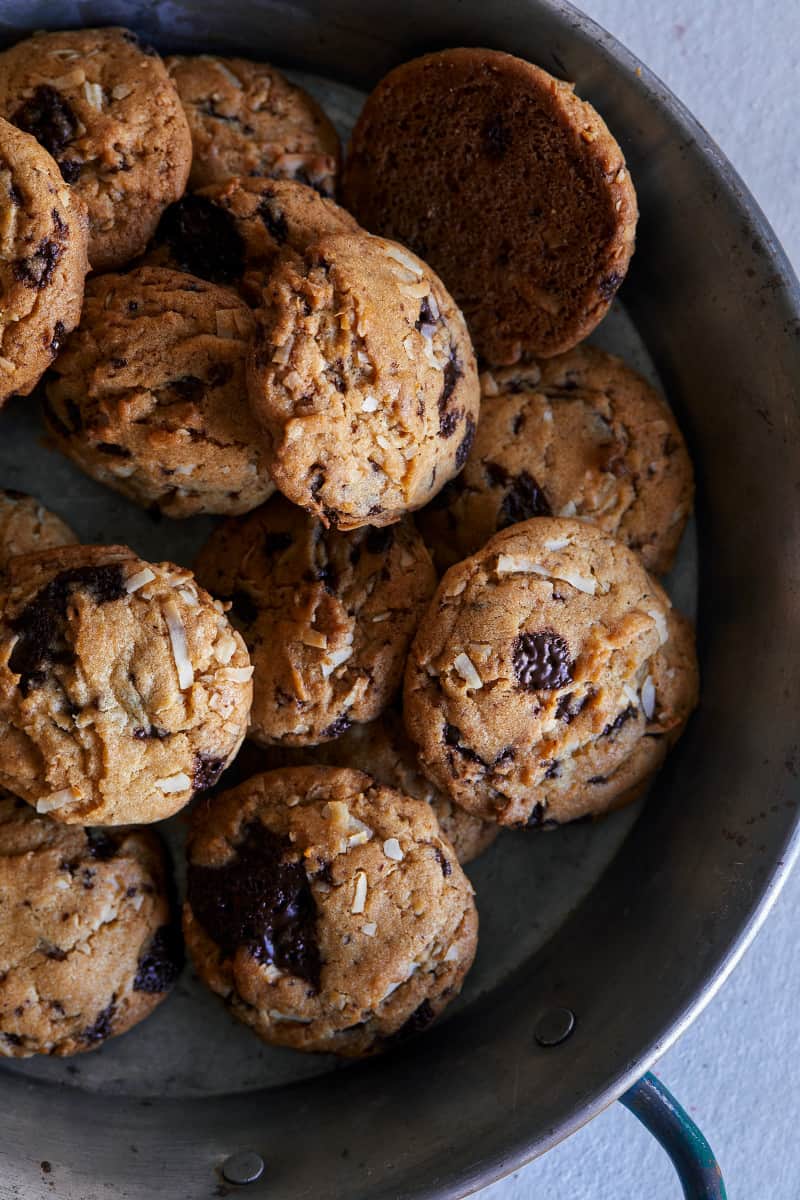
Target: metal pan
{"type": "Point", "coordinates": [632, 925]}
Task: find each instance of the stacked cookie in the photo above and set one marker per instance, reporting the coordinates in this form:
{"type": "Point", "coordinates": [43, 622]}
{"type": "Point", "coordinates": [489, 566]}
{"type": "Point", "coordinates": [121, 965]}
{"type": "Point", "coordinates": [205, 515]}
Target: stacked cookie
{"type": "Point", "coordinates": [429, 608]}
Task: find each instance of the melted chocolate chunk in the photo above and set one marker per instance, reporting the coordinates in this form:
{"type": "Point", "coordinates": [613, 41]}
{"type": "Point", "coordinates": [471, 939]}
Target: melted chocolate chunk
{"type": "Point", "coordinates": [378, 540]}
{"type": "Point", "coordinates": [541, 661]}
{"type": "Point", "coordinates": [261, 899]}
{"type": "Point", "coordinates": [466, 444]}
{"type": "Point", "coordinates": [37, 269]}
{"type": "Point", "coordinates": [207, 770]}
{"type": "Point", "coordinates": [619, 720]}
{"type": "Point", "coordinates": [101, 845]}
{"type": "Point", "coordinates": [160, 964]}
{"type": "Point", "coordinates": [203, 239]}
{"type": "Point", "coordinates": [102, 1027]}
{"type": "Point", "coordinates": [338, 727]}
{"type": "Point", "coordinates": [607, 287]}
{"type": "Point", "coordinates": [42, 624]}
{"type": "Point", "coordinates": [113, 449]}
{"type": "Point", "coordinates": [276, 543]}
{"type": "Point", "coordinates": [48, 117]}
{"type": "Point", "coordinates": [452, 373]}
{"type": "Point", "coordinates": [274, 220]}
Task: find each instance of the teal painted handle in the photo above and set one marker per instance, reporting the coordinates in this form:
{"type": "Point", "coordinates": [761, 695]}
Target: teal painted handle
{"type": "Point", "coordinates": [692, 1157]}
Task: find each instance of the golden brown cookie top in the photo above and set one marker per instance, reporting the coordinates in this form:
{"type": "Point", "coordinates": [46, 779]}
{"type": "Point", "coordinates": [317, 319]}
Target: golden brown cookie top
{"type": "Point", "coordinates": [511, 187]}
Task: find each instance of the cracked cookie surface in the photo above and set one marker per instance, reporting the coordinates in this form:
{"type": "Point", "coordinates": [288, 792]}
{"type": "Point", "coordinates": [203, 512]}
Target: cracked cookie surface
{"type": "Point", "coordinates": [90, 943]}
{"type": "Point", "coordinates": [364, 380]}
{"type": "Point", "coordinates": [328, 911]}
{"type": "Point", "coordinates": [149, 394]}
{"type": "Point", "coordinates": [579, 435]}
{"type": "Point", "coordinates": [26, 527]}
{"type": "Point", "coordinates": [508, 184]}
{"type": "Point", "coordinates": [43, 261]}
{"type": "Point", "coordinates": [549, 677]}
{"type": "Point", "coordinates": [327, 616]}
{"type": "Point", "coordinates": [106, 110]}
{"type": "Point", "coordinates": [123, 688]}
{"type": "Point", "coordinates": [246, 118]}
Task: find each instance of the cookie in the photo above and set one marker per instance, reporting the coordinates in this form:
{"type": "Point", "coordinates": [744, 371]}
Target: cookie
{"type": "Point", "coordinates": [26, 527]}
{"type": "Point", "coordinates": [549, 677]}
{"type": "Point", "coordinates": [508, 184]}
{"type": "Point", "coordinates": [149, 394]}
{"type": "Point", "coordinates": [580, 435]}
{"type": "Point", "coordinates": [43, 262]}
{"type": "Point", "coordinates": [234, 232]}
{"type": "Point", "coordinates": [248, 119]}
{"type": "Point", "coordinates": [328, 617]}
{"type": "Point", "coordinates": [327, 910]}
{"type": "Point", "coordinates": [123, 688]}
{"type": "Point", "coordinates": [107, 111]}
{"type": "Point", "coordinates": [90, 943]}
{"type": "Point", "coordinates": [364, 381]}
{"type": "Point", "coordinates": [382, 749]}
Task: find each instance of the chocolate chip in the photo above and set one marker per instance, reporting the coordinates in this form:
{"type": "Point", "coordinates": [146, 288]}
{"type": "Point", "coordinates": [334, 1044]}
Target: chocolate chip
{"type": "Point", "coordinates": [244, 607]}
{"type": "Point", "coordinates": [553, 769]}
{"type": "Point", "coordinates": [566, 711]}
{"type": "Point", "coordinates": [101, 1027]}
{"type": "Point", "coordinates": [447, 424]}
{"type": "Point", "coordinates": [37, 269]}
{"type": "Point", "coordinates": [160, 964]}
{"type": "Point", "coordinates": [496, 137]}
{"type": "Point", "coordinates": [466, 444]}
{"type": "Point", "coordinates": [206, 770]}
{"type": "Point", "coordinates": [534, 821]}
{"type": "Point", "coordinates": [276, 543]}
{"type": "Point", "coordinates": [261, 899]}
{"type": "Point", "coordinates": [47, 116]}
{"type": "Point", "coordinates": [101, 845]}
{"type": "Point", "coordinates": [523, 499]}
{"type": "Point", "coordinates": [619, 720]}
{"type": "Point", "coordinates": [378, 540]}
{"type": "Point", "coordinates": [203, 239]}
{"type": "Point", "coordinates": [443, 862]}
{"type": "Point", "coordinates": [142, 735]}
{"type": "Point", "coordinates": [42, 627]}
{"type": "Point", "coordinates": [339, 726]}
{"type": "Point", "coordinates": [607, 287]}
{"type": "Point", "coordinates": [58, 337]}
{"type": "Point", "coordinates": [54, 952]}
{"type": "Point", "coordinates": [113, 449]}
{"type": "Point", "coordinates": [541, 661]}
{"type": "Point", "coordinates": [70, 169]}
{"type": "Point", "coordinates": [274, 219]}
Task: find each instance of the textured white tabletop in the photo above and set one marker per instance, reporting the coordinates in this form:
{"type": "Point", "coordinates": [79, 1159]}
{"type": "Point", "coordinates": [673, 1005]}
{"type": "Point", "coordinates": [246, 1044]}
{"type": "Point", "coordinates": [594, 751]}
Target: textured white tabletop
{"type": "Point", "coordinates": [735, 64]}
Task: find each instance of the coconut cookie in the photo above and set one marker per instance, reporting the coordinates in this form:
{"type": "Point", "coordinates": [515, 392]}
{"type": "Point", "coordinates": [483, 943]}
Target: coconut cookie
{"type": "Point", "coordinates": [105, 108]}
{"type": "Point", "coordinates": [90, 941]}
{"type": "Point", "coordinates": [327, 617]}
{"type": "Point", "coordinates": [26, 527]}
{"type": "Point", "coordinates": [123, 688]}
{"type": "Point", "coordinates": [364, 380]}
{"type": "Point", "coordinates": [248, 119]}
{"type": "Point", "coordinates": [327, 910]}
{"type": "Point", "coordinates": [43, 262]}
{"type": "Point", "coordinates": [549, 677]}
{"type": "Point", "coordinates": [234, 232]}
{"type": "Point", "coordinates": [580, 435]}
{"type": "Point", "coordinates": [149, 395]}
{"type": "Point", "coordinates": [508, 184]}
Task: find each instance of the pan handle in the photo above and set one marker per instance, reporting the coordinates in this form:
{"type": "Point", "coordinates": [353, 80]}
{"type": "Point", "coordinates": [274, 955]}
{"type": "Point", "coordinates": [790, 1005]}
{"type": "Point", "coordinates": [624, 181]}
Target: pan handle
{"type": "Point", "coordinates": [692, 1157]}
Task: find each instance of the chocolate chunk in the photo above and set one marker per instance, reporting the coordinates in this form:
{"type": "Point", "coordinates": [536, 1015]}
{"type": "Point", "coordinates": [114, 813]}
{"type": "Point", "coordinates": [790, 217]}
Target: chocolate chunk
{"type": "Point", "coordinates": [566, 711]}
{"type": "Point", "coordinates": [113, 449]}
{"type": "Point", "coordinates": [619, 720]}
{"type": "Point", "coordinates": [276, 543]}
{"type": "Point", "coordinates": [274, 219]}
{"type": "Point", "coordinates": [607, 287]}
{"type": "Point", "coordinates": [378, 540]}
{"type": "Point", "coordinates": [339, 726]}
{"type": "Point", "coordinates": [47, 116]}
{"type": "Point", "coordinates": [443, 862]}
{"type": "Point", "coordinates": [70, 169]}
{"type": "Point", "coordinates": [426, 319]}
{"type": "Point", "coordinates": [523, 499]}
{"type": "Point", "coordinates": [37, 269]}
{"type": "Point", "coordinates": [207, 770]}
{"type": "Point", "coordinates": [160, 964]}
{"type": "Point", "coordinates": [58, 337]}
{"type": "Point", "coordinates": [535, 819]}
{"type": "Point", "coordinates": [101, 1028]}
{"type": "Point", "coordinates": [466, 444]}
{"type": "Point", "coordinates": [42, 624]}
{"type": "Point", "coordinates": [496, 137]}
{"type": "Point", "coordinates": [447, 424]}
{"type": "Point", "coordinates": [203, 239]}
{"type": "Point", "coordinates": [261, 899]}
{"type": "Point", "coordinates": [244, 607]}
{"type": "Point", "coordinates": [541, 661]}
{"type": "Point", "coordinates": [101, 845]}
{"type": "Point", "coordinates": [452, 737]}
{"type": "Point", "coordinates": [452, 373]}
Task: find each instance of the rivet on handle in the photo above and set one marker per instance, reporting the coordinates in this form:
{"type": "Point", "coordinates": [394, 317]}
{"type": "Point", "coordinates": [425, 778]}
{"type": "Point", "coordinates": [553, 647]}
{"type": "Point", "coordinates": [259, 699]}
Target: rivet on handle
{"type": "Point", "coordinates": [554, 1026]}
{"type": "Point", "coordinates": [244, 1167]}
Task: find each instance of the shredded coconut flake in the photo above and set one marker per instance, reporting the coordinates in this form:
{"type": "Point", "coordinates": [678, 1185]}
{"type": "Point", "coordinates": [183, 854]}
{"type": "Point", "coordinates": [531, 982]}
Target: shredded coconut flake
{"type": "Point", "coordinates": [557, 543]}
{"type": "Point", "coordinates": [139, 580]}
{"type": "Point", "coordinates": [569, 509]}
{"type": "Point", "coordinates": [631, 695]}
{"type": "Point", "coordinates": [188, 597]}
{"type": "Point", "coordinates": [391, 848]}
{"type": "Point", "coordinates": [287, 1018]}
{"type": "Point", "coordinates": [408, 346]}
{"type": "Point", "coordinates": [225, 649]}
{"type": "Point", "coordinates": [180, 652]}
{"type": "Point", "coordinates": [381, 617]}
{"type": "Point", "coordinates": [399, 255]}
{"type": "Point", "coordinates": [174, 783]}
{"type": "Point", "coordinates": [232, 79]}
{"type": "Point", "coordinates": [547, 416]}
{"type": "Point", "coordinates": [360, 893]}
{"type": "Point", "coordinates": [236, 674]}
{"type": "Point", "coordinates": [56, 800]}
{"type": "Point", "coordinates": [370, 929]}
{"type": "Point", "coordinates": [660, 623]}
{"type": "Point", "coordinates": [121, 91]}
{"type": "Point", "coordinates": [582, 583]}
{"type": "Point", "coordinates": [649, 697]}
{"type": "Point", "coordinates": [313, 637]}
{"type": "Point", "coordinates": [369, 403]}
{"type": "Point", "coordinates": [452, 954]}
{"type": "Point", "coordinates": [457, 588]}
{"type": "Point", "coordinates": [334, 660]}
{"type": "Point", "coordinates": [489, 385]}
{"type": "Point", "coordinates": [465, 667]}
{"type": "Point", "coordinates": [94, 95]}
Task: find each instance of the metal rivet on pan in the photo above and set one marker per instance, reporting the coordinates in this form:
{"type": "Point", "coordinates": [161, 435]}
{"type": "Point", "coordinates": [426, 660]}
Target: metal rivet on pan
{"type": "Point", "coordinates": [244, 1167]}
{"type": "Point", "coordinates": [554, 1026]}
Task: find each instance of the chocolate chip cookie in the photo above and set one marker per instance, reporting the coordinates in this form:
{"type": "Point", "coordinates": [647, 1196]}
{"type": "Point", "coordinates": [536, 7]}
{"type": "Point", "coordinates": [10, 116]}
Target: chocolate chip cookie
{"type": "Point", "coordinates": [90, 942]}
{"type": "Point", "coordinates": [364, 381]}
{"type": "Point", "coordinates": [248, 119]}
{"type": "Point", "coordinates": [327, 910]}
{"type": "Point", "coordinates": [508, 184]}
{"type": "Point", "coordinates": [149, 394]}
{"type": "Point", "coordinates": [327, 616]}
{"type": "Point", "coordinates": [26, 527]}
{"type": "Point", "coordinates": [123, 688]}
{"type": "Point", "coordinates": [234, 232]}
{"type": "Point", "coordinates": [43, 262]}
{"type": "Point", "coordinates": [579, 435]}
{"type": "Point", "coordinates": [107, 111]}
{"type": "Point", "coordinates": [549, 677]}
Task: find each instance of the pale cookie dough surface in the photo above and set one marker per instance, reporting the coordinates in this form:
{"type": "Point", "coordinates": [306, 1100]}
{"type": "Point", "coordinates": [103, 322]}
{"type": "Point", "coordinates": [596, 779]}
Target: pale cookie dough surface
{"type": "Point", "coordinates": [90, 941]}
{"type": "Point", "coordinates": [123, 688]}
{"type": "Point", "coordinates": [105, 108]}
{"type": "Point", "coordinates": [327, 910]}
{"type": "Point", "coordinates": [364, 380]}
{"type": "Point", "coordinates": [26, 527]}
{"type": "Point", "coordinates": [579, 435]}
{"type": "Point", "coordinates": [246, 118]}
{"type": "Point", "coordinates": [327, 616]}
{"type": "Point", "coordinates": [508, 184]}
{"type": "Point", "coordinates": [549, 677]}
{"type": "Point", "coordinates": [43, 262]}
{"type": "Point", "coordinates": [149, 395]}
{"type": "Point", "coordinates": [235, 231]}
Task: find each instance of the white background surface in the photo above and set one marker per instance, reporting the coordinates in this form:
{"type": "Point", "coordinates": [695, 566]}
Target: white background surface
{"type": "Point", "coordinates": [736, 65]}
